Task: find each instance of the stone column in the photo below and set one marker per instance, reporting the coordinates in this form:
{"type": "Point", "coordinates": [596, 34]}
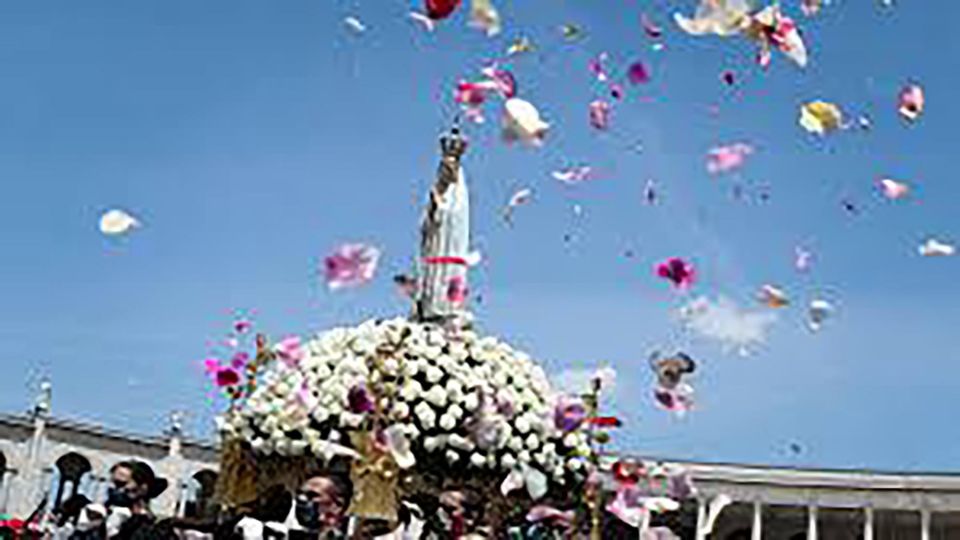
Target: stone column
{"type": "Point", "coordinates": [757, 530]}
{"type": "Point", "coordinates": [812, 522]}
{"type": "Point", "coordinates": [868, 523]}
{"type": "Point", "coordinates": [701, 519]}
{"type": "Point", "coordinates": [924, 524]}
{"type": "Point", "coordinates": [7, 480]}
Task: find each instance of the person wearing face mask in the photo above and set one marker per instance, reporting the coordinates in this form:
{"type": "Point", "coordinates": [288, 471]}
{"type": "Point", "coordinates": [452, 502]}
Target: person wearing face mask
{"type": "Point", "coordinates": [319, 508]}
{"type": "Point", "coordinates": [133, 486]}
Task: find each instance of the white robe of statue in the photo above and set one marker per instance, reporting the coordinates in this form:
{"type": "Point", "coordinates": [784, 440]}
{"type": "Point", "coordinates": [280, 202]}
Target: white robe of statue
{"type": "Point", "coordinates": [445, 234]}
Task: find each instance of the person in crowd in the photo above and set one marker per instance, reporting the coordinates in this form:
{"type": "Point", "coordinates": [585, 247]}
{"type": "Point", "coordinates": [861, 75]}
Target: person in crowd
{"type": "Point", "coordinates": [91, 524]}
{"type": "Point", "coordinates": [316, 512]}
{"type": "Point", "coordinates": [133, 486]}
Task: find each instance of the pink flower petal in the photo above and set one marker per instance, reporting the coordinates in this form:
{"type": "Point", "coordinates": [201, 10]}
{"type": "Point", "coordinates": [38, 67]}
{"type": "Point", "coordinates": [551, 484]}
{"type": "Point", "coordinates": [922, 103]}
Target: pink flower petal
{"type": "Point", "coordinates": [600, 114]}
{"type": "Point", "coordinates": [679, 272]}
{"type": "Point", "coordinates": [351, 265]}
{"type": "Point", "coordinates": [289, 350]}
{"type": "Point", "coordinates": [723, 159]}
{"type": "Point", "coordinates": [637, 73]}
{"type": "Point", "coordinates": [911, 102]}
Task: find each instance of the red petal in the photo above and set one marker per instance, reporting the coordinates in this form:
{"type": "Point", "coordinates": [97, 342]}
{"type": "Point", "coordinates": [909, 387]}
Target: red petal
{"type": "Point", "coordinates": [441, 9]}
{"type": "Point", "coordinates": [605, 421]}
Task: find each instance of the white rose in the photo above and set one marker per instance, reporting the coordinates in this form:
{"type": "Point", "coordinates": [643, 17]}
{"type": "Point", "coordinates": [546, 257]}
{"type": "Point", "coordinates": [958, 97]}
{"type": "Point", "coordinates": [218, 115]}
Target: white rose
{"type": "Point", "coordinates": [257, 444]}
{"type": "Point", "coordinates": [515, 443]}
{"type": "Point", "coordinates": [540, 458]}
{"type": "Point", "coordinates": [524, 457]}
{"type": "Point", "coordinates": [447, 422]}
{"type": "Point", "coordinates": [351, 420]}
{"type": "Point", "coordinates": [500, 379]}
{"type": "Point", "coordinates": [411, 390]}
{"type": "Point", "coordinates": [471, 401]}
{"type": "Point", "coordinates": [522, 424]}
{"type": "Point", "coordinates": [455, 411]}
{"type": "Point", "coordinates": [570, 440]}
{"type": "Point", "coordinates": [452, 456]}
{"type": "Point", "coordinates": [434, 374]}
{"type": "Point", "coordinates": [335, 436]}
{"type": "Point", "coordinates": [430, 444]}
{"type": "Point", "coordinates": [559, 475]}
{"type": "Point", "coordinates": [436, 395]}
{"type": "Point", "coordinates": [455, 389]}
{"type": "Point", "coordinates": [411, 368]}
{"type": "Point", "coordinates": [391, 366]}
{"type": "Point", "coordinates": [401, 410]}
{"type": "Point", "coordinates": [477, 460]}
{"type": "Point", "coordinates": [532, 441]}
{"type": "Point", "coordinates": [458, 441]}
{"type": "Point", "coordinates": [426, 414]}
{"type": "Point", "coordinates": [550, 449]}
{"type": "Point", "coordinates": [508, 461]}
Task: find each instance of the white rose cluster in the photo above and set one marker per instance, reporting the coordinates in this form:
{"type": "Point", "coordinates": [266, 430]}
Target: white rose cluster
{"type": "Point", "coordinates": [472, 401]}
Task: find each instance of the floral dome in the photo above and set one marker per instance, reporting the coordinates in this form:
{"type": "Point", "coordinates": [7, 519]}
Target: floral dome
{"type": "Point", "coordinates": [451, 395]}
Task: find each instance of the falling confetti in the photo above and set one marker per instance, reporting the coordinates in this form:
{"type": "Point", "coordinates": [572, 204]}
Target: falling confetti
{"type": "Point", "coordinates": [936, 248]}
{"type": "Point", "coordinates": [911, 102]}
{"type": "Point", "coordinates": [598, 68]}
{"type": "Point", "coordinates": [772, 29]}
{"type": "Point", "coordinates": [728, 77]}
{"type": "Point", "coordinates": [722, 159]}
{"type": "Point", "coordinates": [116, 222]}
{"type": "Point", "coordinates": [820, 117]}
{"type": "Point", "coordinates": [351, 265]}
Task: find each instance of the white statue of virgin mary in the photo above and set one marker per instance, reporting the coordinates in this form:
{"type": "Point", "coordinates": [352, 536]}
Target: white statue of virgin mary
{"type": "Point", "coordinates": [445, 239]}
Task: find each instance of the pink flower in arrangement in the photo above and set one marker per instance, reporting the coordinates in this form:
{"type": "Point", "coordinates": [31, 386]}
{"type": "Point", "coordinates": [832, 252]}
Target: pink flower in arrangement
{"type": "Point", "coordinates": [457, 290]}
{"type": "Point", "coordinates": [678, 271]}
{"type": "Point", "coordinates": [227, 376]}
{"type": "Point", "coordinates": [211, 365]}
{"type": "Point", "coordinates": [723, 159]}
{"type": "Point", "coordinates": [289, 350]}
{"type": "Point", "coordinates": [440, 9]}
{"type": "Point", "coordinates": [239, 359]}
{"type": "Point", "coordinates": [600, 114]}
{"type": "Point", "coordinates": [359, 400]}
{"type": "Point", "coordinates": [351, 265]}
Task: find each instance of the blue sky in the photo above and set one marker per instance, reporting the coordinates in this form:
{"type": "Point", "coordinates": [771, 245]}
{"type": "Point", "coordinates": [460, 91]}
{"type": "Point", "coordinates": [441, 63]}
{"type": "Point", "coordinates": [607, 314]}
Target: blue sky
{"type": "Point", "coordinates": [253, 137]}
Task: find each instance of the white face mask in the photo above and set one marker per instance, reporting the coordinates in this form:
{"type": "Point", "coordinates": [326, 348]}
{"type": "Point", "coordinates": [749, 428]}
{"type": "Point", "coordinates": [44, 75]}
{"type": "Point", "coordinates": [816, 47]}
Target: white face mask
{"type": "Point", "coordinates": [84, 523]}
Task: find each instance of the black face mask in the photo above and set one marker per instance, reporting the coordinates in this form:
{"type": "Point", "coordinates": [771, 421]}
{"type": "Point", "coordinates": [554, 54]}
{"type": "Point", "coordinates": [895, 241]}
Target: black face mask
{"type": "Point", "coordinates": [308, 514]}
{"type": "Point", "coordinates": [119, 497]}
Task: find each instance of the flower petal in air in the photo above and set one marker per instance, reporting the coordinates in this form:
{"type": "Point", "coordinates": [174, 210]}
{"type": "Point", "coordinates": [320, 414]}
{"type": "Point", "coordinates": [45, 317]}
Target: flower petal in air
{"type": "Point", "coordinates": [911, 102]}
{"type": "Point", "coordinates": [722, 159]}
{"type": "Point", "coordinates": [680, 273]}
{"type": "Point", "coordinates": [116, 222]}
{"type": "Point", "coordinates": [600, 114]}
{"type": "Point", "coordinates": [637, 73]}
{"type": "Point", "coordinates": [351, 265]}
{"type": "Point", "coordinates": [719, 17]}
{"type": "Point", "coordinates": [522, 122]}
{"type": "Point", "coordinates": [935, 248]}
{"type": "Point", "coordinates": [820, 117]}
{"type": "Point", "coordinates": [893, 189]}
{"type": "Point", "coordinates": [440, 9]}
{"type": "Point", "coordinates": [483, 16]}
{"type": "Point", "coordinates": [399, 446]}
{"type": "Point", "coordinates": [772, 296]}
{"type": "Point", "coordinates": [573, 175]}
